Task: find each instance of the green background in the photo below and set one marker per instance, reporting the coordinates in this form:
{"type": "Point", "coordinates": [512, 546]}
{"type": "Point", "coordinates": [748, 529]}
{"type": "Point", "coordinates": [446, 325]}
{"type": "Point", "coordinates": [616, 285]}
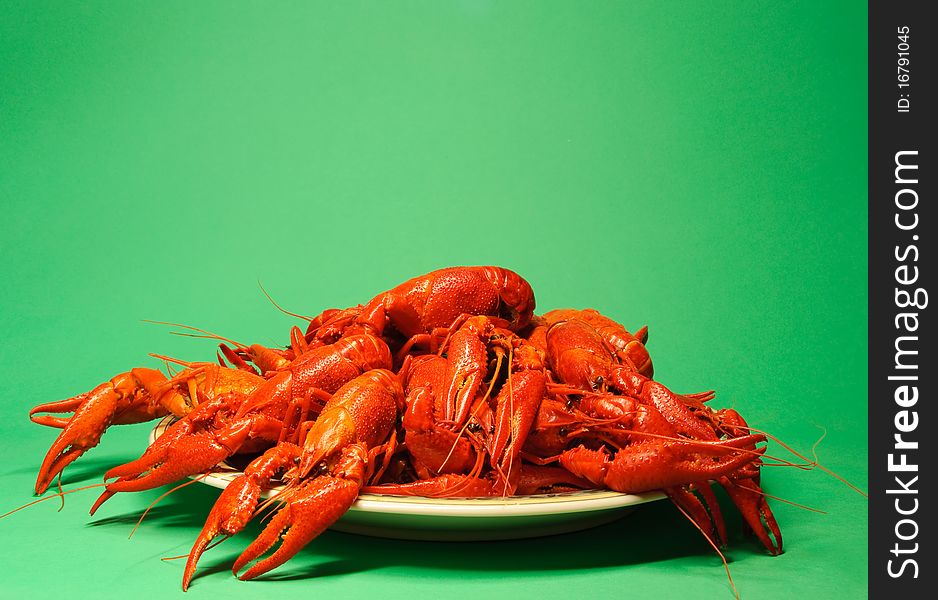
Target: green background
{"type": "Point", "coordinates": [699, 167]}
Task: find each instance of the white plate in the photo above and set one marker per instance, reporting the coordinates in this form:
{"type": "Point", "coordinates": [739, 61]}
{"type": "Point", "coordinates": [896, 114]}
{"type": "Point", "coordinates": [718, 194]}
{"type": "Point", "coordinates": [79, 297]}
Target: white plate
{"type": "Point", "coordinates": [466, 519]}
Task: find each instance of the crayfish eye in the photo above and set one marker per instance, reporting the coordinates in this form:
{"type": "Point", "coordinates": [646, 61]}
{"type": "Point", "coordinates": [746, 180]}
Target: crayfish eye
{"type": "Point", "coordinates": [598, 382]}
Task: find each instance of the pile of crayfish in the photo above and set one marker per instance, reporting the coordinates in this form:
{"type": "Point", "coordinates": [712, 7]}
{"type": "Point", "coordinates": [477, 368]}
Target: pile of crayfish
{"type": "Point", "coordinates": [446, 385]}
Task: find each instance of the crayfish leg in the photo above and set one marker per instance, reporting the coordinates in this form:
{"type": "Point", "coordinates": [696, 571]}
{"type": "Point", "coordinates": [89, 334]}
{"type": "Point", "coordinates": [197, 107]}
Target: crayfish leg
{"type": "Point", "coordinates": [442, 486]}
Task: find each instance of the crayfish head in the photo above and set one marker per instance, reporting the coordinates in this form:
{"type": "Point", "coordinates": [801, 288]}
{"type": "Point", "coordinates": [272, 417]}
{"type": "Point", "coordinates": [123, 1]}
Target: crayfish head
{"type": "Point", "coordinates": [516, 295]}
{"type": "Point", "coordinates": [526, 357]}
{"type": "Point", "coordinates": [192, 387]}
{"type": "Point", "coordinates": [333, 431]}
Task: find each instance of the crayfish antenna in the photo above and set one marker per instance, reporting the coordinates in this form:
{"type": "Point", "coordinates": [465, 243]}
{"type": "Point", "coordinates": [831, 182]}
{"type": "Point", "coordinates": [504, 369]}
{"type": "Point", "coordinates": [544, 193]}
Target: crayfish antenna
{"type": "Point", "coordinates": [160, 498]}
{"type": "Point", "coordinates": [59, 494]}
{"type": "Point", "coordinates": [715, 547]}
{"type": "Point", "coordinates": [809, 463]}
{"type": "Point", "coordinates": [199, 332]}
{"type": "Point", "coordinates": [471, 479]}
{"type": "Point", "coordinates": [280, 308]}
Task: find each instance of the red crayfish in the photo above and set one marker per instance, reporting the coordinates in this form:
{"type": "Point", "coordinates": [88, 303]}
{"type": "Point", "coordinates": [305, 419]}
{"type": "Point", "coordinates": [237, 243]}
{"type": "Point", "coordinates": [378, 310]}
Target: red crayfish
{"type": "Point", "coordinates": [446, 385]}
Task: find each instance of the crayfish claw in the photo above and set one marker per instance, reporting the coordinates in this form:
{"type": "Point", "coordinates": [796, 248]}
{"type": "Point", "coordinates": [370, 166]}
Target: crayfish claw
{"type": "Point", "coordinates": [123, 399]}
{"type": "Point", "coordinates": [704, 511]}
{"type": "Point", "coordinates": [307, 513]}
{"type": "Point", "coordinates": [93, 412]}
{"type": "Point", "coordinates": [104, 497]}
{"type": "Point", "coordinates": [201, 543]}
{"type": "Point", "coordinates": [60, 406]}
{"type": "Point", "coordinates": [231, 512]}
{"type": "Point", "coordinates": [48, 473]}
{"type": "Point", "coordinates": [753, 506]}
{"type": "Point", "coordinates": [192, 454]}
{"type": "Point", "coordinates": [237, 503]}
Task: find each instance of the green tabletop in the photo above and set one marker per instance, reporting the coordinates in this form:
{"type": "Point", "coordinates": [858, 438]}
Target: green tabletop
{"type": "Point", "coordinates": [697, 167]}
